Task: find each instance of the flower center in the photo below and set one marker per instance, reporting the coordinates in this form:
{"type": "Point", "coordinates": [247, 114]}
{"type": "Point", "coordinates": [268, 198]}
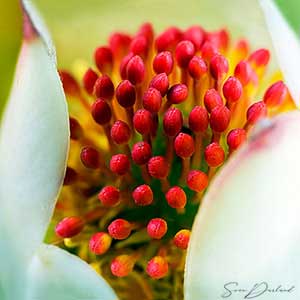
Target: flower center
{"type": "Point", "coordinates": [152, 122]}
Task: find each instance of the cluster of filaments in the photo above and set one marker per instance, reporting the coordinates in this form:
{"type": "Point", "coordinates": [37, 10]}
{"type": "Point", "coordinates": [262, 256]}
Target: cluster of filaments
{"type": "Point", "coordinates": [188, 94]}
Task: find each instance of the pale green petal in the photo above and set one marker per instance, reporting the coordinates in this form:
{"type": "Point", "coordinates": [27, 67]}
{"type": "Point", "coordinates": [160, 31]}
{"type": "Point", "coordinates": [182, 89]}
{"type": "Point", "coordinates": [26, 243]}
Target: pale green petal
{"type": "Point", "coordinates": [57, 274]}
{"type": "Point", "coordinates": [34, 137]}
{"type": "Point", "coordinates": [79, 26]}
{"type": "Point", "coordinates": [287, 47]}
{"type": "Point", "coordinates": [248, 228]}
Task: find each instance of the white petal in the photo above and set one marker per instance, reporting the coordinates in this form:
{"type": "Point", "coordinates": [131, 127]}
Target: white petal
{"type": "Point", "coordinates": [287, 47]}
{"type": "Point", "coordinates": [248, 229]}
{"type": "Point", "coordinates": [34, 137]}
{"type": "Point", "coordinates": [57, 274]}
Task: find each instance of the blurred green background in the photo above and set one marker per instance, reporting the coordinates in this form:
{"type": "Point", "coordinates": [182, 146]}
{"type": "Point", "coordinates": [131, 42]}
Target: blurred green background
{"type": "Point", "coordinates": [90, 20]}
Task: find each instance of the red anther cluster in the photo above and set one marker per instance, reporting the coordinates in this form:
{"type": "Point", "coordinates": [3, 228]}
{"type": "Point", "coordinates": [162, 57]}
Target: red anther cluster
{"type": "Point", "coordinates": [197, 67]}
{"type": "Point", "coordinates": [141, 153]}
{"type": "Point", "coordinates": [157, 267]}
{"type": "Point", "coordinates": [163, 62]}
{"type": "Point", "coordinates": [100, 243]}
{"type": "Point", "coordinates": [158, 167]}
{"type": "Point", "coordinates": [236, 138]}
{"type": "Point", "coordinates": [212, 99]}
{"type": "Point", "coordinates": [172, 121]}
{"type": "Point", "coordinates": [125, 94]}
{"type": "Point", "coordinates": [198, 119]}
{"type": "Point", "coordinates": [275, 94]}
{"type": "Point", "coordinates": [119, 164]}
{"type": "Point", "coordinates": [122, 265]}
{"type": "Point", "coordinates": [182, 238]}
{"type": "Point", "coordinates": [101, 112]}
{"type": "Point", "coordinates": [135, 70]}
{"type": "Point", "coordinates": [104, 88]}
{"type": "Point", "coordinates": [120, 132]}
{"type": "Point", "coordinates": [142, 121]}
{"type": "Point", "coordinates": [152, 100]}
{"type": "Point", "coordinates": [177, 93]}
{"type": "Point", "coordinates": [220, 118]}
{"type": "Point", "coordinates": [197, 180]}
{"type": "Point", "coordinates": [90, 157]}
{"type": "Point", "coordinates": [214, 155]}
{"type": "Point", "coordinates": [256, 112]}
{"type": "Point", "coordinates": [119, 229]}
{"type": "Point", "coordinates": [218, 66]}
{"type": "Point", "coordinates": [176, 197]}
{"type": "Point", "coordinates": [142, 195]}
{"type": "Point", "coordinates": [157, 228]}
{"type": "Point", "coordinates": [89, 79]}
{"type": "Point", "coordinates": [76, 131]}
{"type": "Point", "coordinates": [109, 196]}
{"type": "Point", "coordinates": [260, 57]}
{"type": "Point", "coordinates": [161, 83]}
{"type": "Point", "coordinates": [232, 89]}
{"type": "Point", "coordinates": [184, 145]}
{"type": "Point", "coordinates": [184, 52]}
{"type": "Point", "coordinates": [157, 111]}
{"type": "Point", "coordinates": [69, 227]}
{"type": "Point", "coordinates": [104, 59]}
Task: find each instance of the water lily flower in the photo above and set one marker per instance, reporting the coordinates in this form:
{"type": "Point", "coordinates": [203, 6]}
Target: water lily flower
{"type": "Point", "coordinates": [152, 121]}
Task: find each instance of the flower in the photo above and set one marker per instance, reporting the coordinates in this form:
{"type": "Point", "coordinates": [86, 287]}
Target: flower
{"type": "Point", "coordinates": [88, 174]}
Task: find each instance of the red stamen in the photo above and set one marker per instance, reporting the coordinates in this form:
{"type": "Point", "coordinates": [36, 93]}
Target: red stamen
{"type": "Point", "coordinates": [260, 57]}
{"type": "Point", "coordinates": [141, 153]}
{"type": "Point", "coordinates": [212, 99]}
{"type": "Point", "coordinates": [104, 88]}
{"type": "Point", "coordinates": [219, 38]}
{"type": "Point", "coordinates": [70, 85]}
{"type": "Point", "coordinates": [152, 100]}
{"type": "Point", "coordinates": [158, 167]}
{"type": "Point", "coordinates": [147, 31]}
{"type": "Point", "coordinates": [157, 267]}
{"type": "Point", "coordinates": [163, 62]}
{"type": "Point", "coordinates": [119, 44]}
{"type": "Point", "coordinates": [184, 145]}
{"type": "Point", "coordinates": [176, 197]}
{"type": "Point", "coordinates": [256, 112]}
{"type": "Point", "coordinates": [123, 65]}
{"type": "Point", "coordinates": [104, 59]}
{"type": "Point", "coordinates": [69, 227]}
{"type": "Point", "coordinates": [208, 51]}
{"type": "Point", "coordinates": [109, 196]}
{"type": "Point", "coordinates": [168, 39]}
{"type": "Point", "coordinates": [197, 67]}
{"type": "Point", "coordinates": [172, 121]}
{"type": "Point", "coordinates": [142, 195]}
{"type": "Point", "coordinates": [101, 112]}
{"type": "Point", "coordinates": [139, 46]}
{"type": "Point", "coordinates": [218, 66]}
{"type": "Point", "coordinates": [161, 83]}
{"type": "Point", "coordinates": [232, 89]}
{"type": "Point", "coordinates": [89, 80]}
{"type": "Point", "coordinates": [120, 132]}
{"type": "Point", "coordinates": [196, 35]}
{"type": "Point", "coordinates": [198, 119]}
{"type": "Point", "coordinates": [90, 157]}
{"type": "Point", "coordinates": [99, 243]}
{"type": "Point", "coordinates": [236, 138]}
{"type": "Point", "coordinates": [76, 131]}
{"type": "Point", "coordinates": [177, 93]}
{"type": "Point", "coordinates": [125, 94]}
{"type": "Point", "coordinates": [243, 72]}
{"type": "Point", "coordinates": [119, 164]}
{"type": "Point", "coordinates": [214, 155]}
{"type": "Point", "coordinates": [275, 94]}
{"type": "Point", "coordinates": [136, 70]}
{"type": "Point", "coordinates": [182, 238]}
{"type": "Point", "coordinates": [157, 228]}
{"type": "Point", "coordinates": [119, 229]}
{"type": "Point", "coordinates": [197, 181]}
{"type": "Point", "coordinates": [142, 121]}
{"type": "Point", "coordinates": [122, 265]}
{"type": "Point", "coordinates": [184, 52]}
{"type": "Point", "coordinates": [220, 118]}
